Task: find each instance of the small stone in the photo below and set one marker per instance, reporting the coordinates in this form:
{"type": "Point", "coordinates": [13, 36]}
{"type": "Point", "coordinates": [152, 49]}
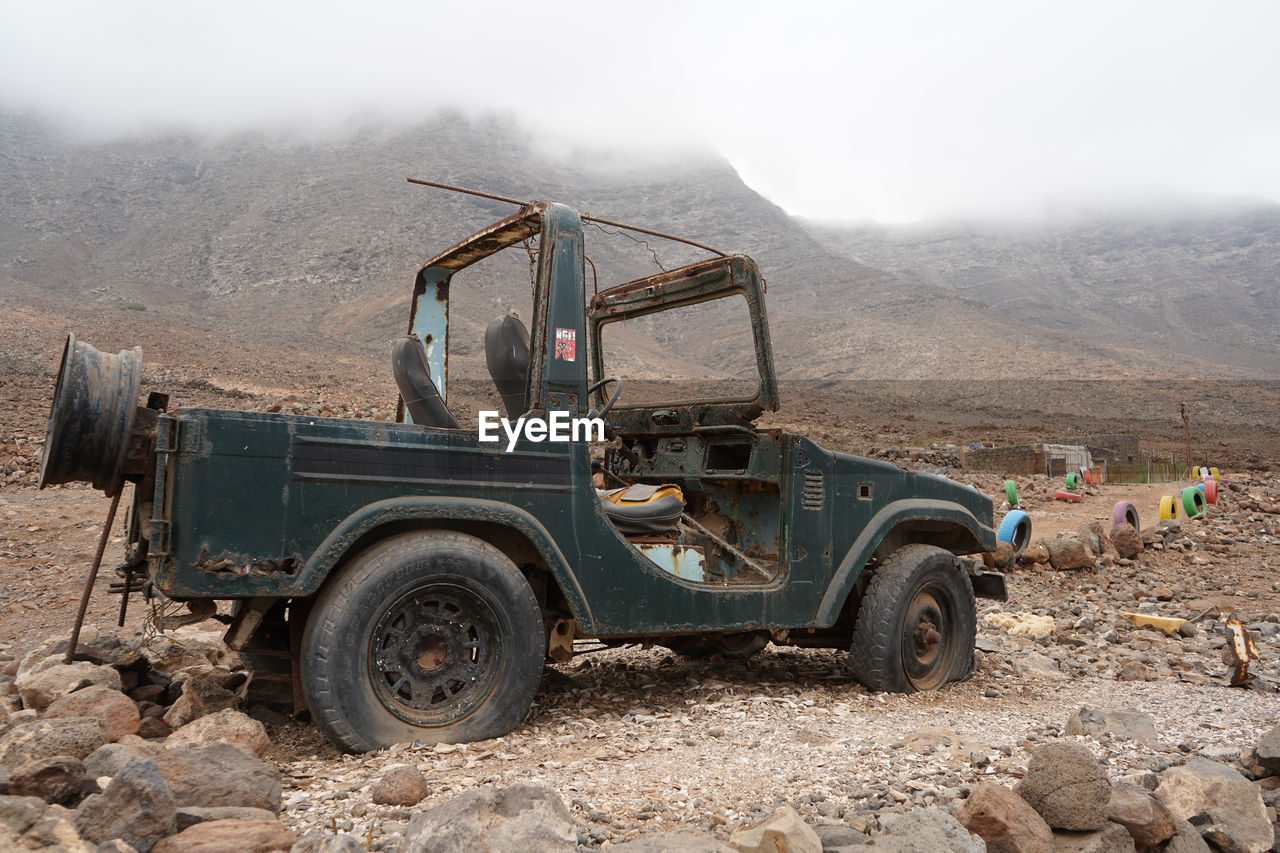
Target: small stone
{"type": "Point", "coordinates": [1112, 838]}
{"type": "Point", "coordinates": [1132, 670]}
{"type": "Point", "coordinates": [200, 697]}
{"type": "Point", "coordinates": [1068, 553]}
{"type": "Point", "coordinates": [1117, 722]}
{"type": "Point", "coordinates": [1004, 820]}
{"type": "Point", "coordinates": [400, 785]}
{"type": "Point", "coordinates": [1146, 818]}
{"type": "Point", "coordinates": [60, 779]}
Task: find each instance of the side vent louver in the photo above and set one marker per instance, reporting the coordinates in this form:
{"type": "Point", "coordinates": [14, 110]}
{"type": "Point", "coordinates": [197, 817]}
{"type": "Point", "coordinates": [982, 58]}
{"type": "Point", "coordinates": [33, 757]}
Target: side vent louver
{"type": "Point", "coordinates": [814, 491]}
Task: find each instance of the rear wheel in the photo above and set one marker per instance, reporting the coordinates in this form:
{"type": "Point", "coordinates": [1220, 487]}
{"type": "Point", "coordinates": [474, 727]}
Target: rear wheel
{"type": "Point", "coordinates": [917, 623]}
{"type": "Point", "coordinates": [431, 636]}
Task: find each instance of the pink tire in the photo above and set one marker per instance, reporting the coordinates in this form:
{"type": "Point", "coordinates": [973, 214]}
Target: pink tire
{"type": "Point", "coordinates": [1210, 490]}
{"type": "Point", "coordinates": [1126, 513]}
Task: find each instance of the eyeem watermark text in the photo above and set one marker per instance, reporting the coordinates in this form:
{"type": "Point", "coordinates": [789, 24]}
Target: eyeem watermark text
{"type": "Point", "coordinates": [558, 427]}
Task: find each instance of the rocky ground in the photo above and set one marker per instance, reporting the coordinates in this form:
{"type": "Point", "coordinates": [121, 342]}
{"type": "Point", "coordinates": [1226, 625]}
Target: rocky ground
{"type": "Point", "coordinates": [625, 746]}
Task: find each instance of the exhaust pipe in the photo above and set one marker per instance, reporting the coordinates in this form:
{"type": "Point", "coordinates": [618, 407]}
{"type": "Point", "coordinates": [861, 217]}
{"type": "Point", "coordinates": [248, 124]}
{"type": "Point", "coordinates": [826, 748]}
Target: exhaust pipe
{"type": "Point", "coordinates": [91, 435]}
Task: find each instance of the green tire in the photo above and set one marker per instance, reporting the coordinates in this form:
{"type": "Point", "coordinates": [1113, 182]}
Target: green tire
{"type": "Point", "coordinates": [1192, 501]}
{"type": "Point", "coordinates": [1011, 492]}
{"type": "Point", "coordinates": [1073, 481]}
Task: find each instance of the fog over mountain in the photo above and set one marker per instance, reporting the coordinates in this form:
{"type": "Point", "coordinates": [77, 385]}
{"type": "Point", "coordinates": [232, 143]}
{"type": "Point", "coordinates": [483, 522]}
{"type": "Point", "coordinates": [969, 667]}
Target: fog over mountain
{"type": "Point", "coordinates": [268, 235]}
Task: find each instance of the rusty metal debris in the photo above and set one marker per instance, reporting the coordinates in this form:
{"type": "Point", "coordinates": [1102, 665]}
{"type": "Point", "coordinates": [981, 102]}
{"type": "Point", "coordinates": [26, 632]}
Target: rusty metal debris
{"type": "Point", "coordinates": [1239, 650]}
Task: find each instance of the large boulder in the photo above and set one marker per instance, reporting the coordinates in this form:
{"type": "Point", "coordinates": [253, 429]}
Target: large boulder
{"type": "Point", "coordinates": [73, 736]}
{"type": "Point", "coordinates": [1186, 840]}
{"type": "Point", "coordinates": [225, 726]}
{"type": "Point", "coordinates": [110, 758]}
{"type": "Point", "coordinates": [1068, 553]}
{"type": "Point", "coordinates": [1266, 755]}
{"type": "Point", "coordinates": [930, 830]}
{"type": "Point", "coordinates": [1004, 820]}
{"type": "Point", "coordinates": [675, 841]}
{"type": "Point", "coordinates": [1146, 818]}
{"type": "Point", "coordinates": [1117, 722]}
{"type": "Point", "coordinates": [782, 830]}
{"type": "Point", "coordinates": [136, 807]}
{"type": "Point", "coordinates": [220, 775]}
{"type": "Point", "coordinates": [1224, 806]}
{"type": "Point", "coordinates": [184, 647]}
{"type": "Point", "coordinates": [242, 836]}
{"type": "Point", "coordinates": [1126, 540]}
{"type": "Point", "coordinates": [520, 817]}
{"type": "Point", "coordinates": [1067, 786]}
{"type": "Point", "coordinates": [117, 711]}
{"type": "Point", "coordinates": [1112, 838]}
{"type": "Point", "coordinates": [191, 815]}
{"type": "Point", "coordinates": [52, 679]}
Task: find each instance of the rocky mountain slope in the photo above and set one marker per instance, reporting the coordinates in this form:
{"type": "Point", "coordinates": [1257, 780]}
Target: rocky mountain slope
{"type": "Point", "coordinates": [1203, 283]}
{"type": "Point", "coordinates": [258, 238]}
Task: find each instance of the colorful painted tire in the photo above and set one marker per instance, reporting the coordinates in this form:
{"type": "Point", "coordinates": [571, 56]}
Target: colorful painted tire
{"type": "Point", "coordinates": [1011, 492]}
{"type": "Point", "coordinates": [1213, 472]}
{"type": "Point", "coordinates": [1126, 513]}
{"type": "Point", "coordinates": [1211, 491]}
{"type": "Point", "coordinates": [1073, 481]}
{"type": "Point", "coordinates": [1168, 507]}
{"type": "Point", "coordinates": [1202, 471]}
{"type": "Point", "coordinates": [1016, 530]}
{"type": "Point", "coordinates": [1088, 476]}
{"type": "Point", "coordinates": [1192, 501]}
{"type": "Point", "coordinates": [1070, 497]}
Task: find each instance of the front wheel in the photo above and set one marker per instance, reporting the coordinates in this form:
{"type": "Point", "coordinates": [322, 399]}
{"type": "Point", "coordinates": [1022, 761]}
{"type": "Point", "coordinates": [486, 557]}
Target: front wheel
{"type": "Point", "coordinates": [429, 635]}
{"type": "Point", "coordinates": [917, 623]}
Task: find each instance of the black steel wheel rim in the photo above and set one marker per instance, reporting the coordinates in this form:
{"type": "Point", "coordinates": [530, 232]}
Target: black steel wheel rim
{"type": "Point", "coordinates": [435, 653]}
{"type": "Point", "coordinates": [927, 636]}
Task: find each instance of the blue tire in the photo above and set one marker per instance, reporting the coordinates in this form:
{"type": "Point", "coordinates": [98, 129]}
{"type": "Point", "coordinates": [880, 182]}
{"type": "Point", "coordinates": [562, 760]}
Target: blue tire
{"type": "Point", "coordinates": [1016, 530]}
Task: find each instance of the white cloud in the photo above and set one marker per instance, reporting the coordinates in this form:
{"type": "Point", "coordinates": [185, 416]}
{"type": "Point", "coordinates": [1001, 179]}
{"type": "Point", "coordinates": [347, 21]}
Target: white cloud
{"type": "Point", "coordinates": [890, 111]}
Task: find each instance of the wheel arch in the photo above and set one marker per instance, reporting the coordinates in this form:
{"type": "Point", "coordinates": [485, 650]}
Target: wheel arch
{"type": "Point", "coordinates": [514, 532]}
{"type": "Point", "coordinates": [928, 522]}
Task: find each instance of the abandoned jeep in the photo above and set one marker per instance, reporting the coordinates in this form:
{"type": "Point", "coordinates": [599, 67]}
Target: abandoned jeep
{"type": "Point", "coordinates": [410, 580]}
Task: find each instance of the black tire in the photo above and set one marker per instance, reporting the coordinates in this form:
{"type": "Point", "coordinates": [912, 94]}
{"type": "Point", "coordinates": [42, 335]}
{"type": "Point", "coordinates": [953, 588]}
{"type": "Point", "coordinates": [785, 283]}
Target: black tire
{"type": "Point", "coordinates": [429, 635]}
{"type": "Point", "coordinates": [917, 623]}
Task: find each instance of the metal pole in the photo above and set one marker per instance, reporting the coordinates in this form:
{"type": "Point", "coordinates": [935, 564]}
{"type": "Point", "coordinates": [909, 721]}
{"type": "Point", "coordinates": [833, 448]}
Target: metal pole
{"type": "Point", "coordinates": [93, 576]}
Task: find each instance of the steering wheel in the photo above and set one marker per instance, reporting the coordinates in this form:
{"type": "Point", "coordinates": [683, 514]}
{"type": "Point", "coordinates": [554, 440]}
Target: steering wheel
{"type": "Point", "coordinates": [593, 413]}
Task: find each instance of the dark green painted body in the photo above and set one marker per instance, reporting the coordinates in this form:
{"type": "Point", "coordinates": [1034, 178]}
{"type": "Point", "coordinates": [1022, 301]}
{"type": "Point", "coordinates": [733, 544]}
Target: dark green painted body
{"type": "Point", "coordinates": [251, 504]}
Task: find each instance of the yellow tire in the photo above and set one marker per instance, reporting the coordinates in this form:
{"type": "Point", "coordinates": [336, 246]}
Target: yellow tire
{"type": "Point", "coordinates": [1168, 507]}
{"type": "Point", "coordinates": [1213, 472]}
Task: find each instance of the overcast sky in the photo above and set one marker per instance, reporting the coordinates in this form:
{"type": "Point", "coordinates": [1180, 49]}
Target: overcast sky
{"type": "Point", "coordinates": [891, 111]}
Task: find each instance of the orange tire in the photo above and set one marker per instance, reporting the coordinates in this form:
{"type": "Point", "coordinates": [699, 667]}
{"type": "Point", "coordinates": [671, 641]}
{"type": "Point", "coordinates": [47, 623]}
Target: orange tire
{"type": "Point", "coordinates": [1070, 497]}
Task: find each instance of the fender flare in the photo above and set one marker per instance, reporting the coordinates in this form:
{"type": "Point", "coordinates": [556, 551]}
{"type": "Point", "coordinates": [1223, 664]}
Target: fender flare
{"type": "Point", "coordinates": [338, 544]}
{"type": "Point", "coordinates": [874, 532]}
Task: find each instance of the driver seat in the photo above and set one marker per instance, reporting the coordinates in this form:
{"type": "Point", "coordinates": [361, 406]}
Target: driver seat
{"type": "Point", "coordinates": [506, 353]}
{"type": "Point", "coordinates": [419, 392]}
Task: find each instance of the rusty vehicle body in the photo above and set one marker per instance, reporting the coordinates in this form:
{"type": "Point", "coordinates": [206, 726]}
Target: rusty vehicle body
{"type": "Point", "coordinates": [411, 580]}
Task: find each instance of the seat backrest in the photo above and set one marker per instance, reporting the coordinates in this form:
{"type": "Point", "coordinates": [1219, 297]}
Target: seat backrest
{"type": "Point", "coordinates": [506, 352]}
{"type": "Point", "coordinates": [419, 392]}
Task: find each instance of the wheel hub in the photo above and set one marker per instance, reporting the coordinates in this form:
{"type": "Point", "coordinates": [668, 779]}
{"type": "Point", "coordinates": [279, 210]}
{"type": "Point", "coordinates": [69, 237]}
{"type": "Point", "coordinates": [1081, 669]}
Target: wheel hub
{"type": "Point", "coordinates": [925, 647]}
{"type": "Point", "coordinates": [433, 655]}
